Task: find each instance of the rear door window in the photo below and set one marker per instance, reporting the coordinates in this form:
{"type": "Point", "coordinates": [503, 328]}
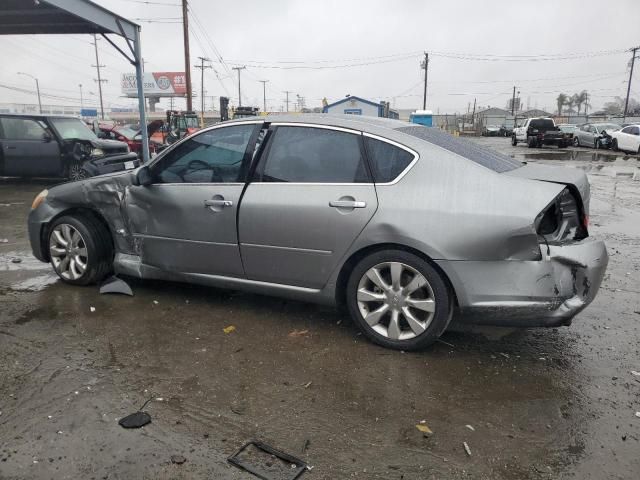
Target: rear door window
{"type": "Point", "coordinates": [386, 160]}
{"type": "Point", "coordinates": [313, 155]}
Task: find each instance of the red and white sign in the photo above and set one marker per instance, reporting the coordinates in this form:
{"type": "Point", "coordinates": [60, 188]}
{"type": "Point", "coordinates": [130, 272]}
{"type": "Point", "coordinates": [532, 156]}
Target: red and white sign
{"type": "Point", "coordinates": [156, 84]}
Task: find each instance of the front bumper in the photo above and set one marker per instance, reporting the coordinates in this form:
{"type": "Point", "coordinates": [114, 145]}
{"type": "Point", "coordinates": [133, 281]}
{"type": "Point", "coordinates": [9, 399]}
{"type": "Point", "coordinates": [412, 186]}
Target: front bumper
{"type": "Point", "coordinates": [543, 293]}
{"type": "Point", "coordinates": [111, 164]}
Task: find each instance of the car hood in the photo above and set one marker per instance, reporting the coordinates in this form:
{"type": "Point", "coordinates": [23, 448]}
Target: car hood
{"type": "Point", "coordinates": [548, 173]}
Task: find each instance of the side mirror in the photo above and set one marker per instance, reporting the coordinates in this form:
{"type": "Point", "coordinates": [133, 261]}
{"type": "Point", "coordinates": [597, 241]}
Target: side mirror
{"type": "Point", "coordinates": [46, 137]}
{"type": "Point", "coordinates": [143, 177]}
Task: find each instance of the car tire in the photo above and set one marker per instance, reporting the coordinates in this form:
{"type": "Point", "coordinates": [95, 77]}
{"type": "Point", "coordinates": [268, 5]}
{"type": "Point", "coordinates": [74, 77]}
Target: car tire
{"type": "Point", "coordinates": [514, 141]}
{"type": "Point", "coordinates": [576, 142]}
{"type": "Point", "coordinates": [614, 145]}
{"type": "Point", "coordinates": [76, 171]}
{"type": "Point", "coordinates": [80, 249]}
{"type": "Point", "coordinates": [404, 320]}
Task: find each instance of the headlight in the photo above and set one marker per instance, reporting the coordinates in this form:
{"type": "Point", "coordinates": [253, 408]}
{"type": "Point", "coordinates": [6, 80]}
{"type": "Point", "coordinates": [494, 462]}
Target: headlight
{"type": "Point", "coordinates": [97, 152]}
{"type": "Point", "coordinates": [41, 197]}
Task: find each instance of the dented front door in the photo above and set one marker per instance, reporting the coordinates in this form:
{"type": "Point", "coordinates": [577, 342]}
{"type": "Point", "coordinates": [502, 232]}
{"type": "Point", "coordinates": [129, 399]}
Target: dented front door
{"type": "Point", "coordinates": [185, 222]}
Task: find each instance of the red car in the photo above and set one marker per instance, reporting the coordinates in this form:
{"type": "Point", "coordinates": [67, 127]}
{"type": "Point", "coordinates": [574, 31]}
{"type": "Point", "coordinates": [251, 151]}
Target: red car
{"type": "Point", "coordinates": [132, 136]}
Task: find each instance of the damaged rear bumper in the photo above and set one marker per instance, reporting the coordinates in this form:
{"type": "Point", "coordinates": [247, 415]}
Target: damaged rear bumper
{"type": "Point", "coordinates": [544, 293]}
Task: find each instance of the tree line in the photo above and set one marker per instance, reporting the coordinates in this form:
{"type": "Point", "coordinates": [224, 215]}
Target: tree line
{"type": "Point", "coordinates": [576, 100]}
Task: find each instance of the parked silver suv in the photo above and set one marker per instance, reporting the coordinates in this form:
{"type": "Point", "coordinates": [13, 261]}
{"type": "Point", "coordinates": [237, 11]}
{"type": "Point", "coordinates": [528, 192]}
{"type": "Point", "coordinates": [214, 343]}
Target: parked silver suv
{"type": "Point", "coordinates": [404, 224]}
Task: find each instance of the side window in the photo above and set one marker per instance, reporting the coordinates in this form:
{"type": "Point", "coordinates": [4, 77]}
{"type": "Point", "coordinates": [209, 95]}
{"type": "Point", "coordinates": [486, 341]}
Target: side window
{"type": "Point", "coordinates": [22, 129]}
{"type": "Point", "coordinates": [214, 156]}
{"type": "Point", "coordinates": [635, 131]}
{"type": "Point", "coordinates": [628, 130]}
{"type": "Point", "coordinates": [387, 161]}
{"type": "Point", "coordinates": [313, 155]}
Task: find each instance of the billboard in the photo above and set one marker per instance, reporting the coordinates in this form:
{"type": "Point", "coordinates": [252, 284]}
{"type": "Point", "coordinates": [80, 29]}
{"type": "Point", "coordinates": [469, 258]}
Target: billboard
{"type": "Point", "coordinates": [156, 84]}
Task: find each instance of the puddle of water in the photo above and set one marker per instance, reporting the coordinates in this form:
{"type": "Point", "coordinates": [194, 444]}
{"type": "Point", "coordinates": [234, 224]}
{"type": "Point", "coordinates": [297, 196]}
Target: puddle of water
{"type": "Point", "coordinates": [27, 262]}
{"type": "Point", "coordinates": [35, 284]}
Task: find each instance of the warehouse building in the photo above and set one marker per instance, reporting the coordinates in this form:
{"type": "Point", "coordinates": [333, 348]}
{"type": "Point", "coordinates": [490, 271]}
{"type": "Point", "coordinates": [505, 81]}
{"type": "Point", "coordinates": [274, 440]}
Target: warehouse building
{"type": "Point", "coordinates": [352, 105]}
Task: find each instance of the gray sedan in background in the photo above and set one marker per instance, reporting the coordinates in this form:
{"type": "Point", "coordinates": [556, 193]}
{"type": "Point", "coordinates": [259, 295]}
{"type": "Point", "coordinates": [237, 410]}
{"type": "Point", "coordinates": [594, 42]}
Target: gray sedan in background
{"type": "Point", "coordinates": [405, 225]}
{"type": "Point", "coordinates": [594, 135]}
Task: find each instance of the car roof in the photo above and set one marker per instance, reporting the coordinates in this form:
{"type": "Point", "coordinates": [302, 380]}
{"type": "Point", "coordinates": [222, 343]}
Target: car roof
{"type": "Point", "coordinates": [357, 122]}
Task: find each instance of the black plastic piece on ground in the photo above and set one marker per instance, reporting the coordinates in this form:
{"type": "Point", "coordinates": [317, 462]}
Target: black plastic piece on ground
{"type": "Point", "coordinates": [135, 420]}
{"type": "Point", "coordinates": [114, 284]}
{"type": "Point", "coordinates": [300, 465]}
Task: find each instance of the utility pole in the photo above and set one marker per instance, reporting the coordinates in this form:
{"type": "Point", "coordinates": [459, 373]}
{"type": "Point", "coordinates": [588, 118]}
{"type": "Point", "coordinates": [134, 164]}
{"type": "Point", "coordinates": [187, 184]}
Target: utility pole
{"type": "Point", "coordinates": [264, 94]}
{"type": "Point", "coordinates": [37, 89]}
{"type": "Point", "coordinates": [81, 101]}
{"type": "Point", "coordinates": [425, 66]}
{"type": "Point", "coordinates": [239, 69]}
{"type": "Point", "coordinates": [187, 63]}
{"type": "Point", "coordinates": [626, 102]}
{"type": "Point", "coordinates": [287, 92]}
{"type": "Point", "coordinates": [202, 66]}
{"type": "Point", "coordinates": [99, 80]}
{"type": "Point", "coordinates": [473, 115]}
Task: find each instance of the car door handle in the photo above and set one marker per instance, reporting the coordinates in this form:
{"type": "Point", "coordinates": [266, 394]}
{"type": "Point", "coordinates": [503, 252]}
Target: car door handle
{"type": "Point", "coordinates": [218, 203]}
{"type": "Point", "coordinates": [347, 204]}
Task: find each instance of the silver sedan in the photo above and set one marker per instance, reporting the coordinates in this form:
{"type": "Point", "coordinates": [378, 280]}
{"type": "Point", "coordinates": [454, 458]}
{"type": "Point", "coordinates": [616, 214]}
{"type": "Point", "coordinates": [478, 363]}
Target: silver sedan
{"type": "Point", "coordinates": [405, 225]}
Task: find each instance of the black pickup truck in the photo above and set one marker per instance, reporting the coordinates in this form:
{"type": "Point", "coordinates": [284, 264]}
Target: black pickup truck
{"type": "Point", "coordinates": [536, 132]}
{"type": "Point", "coordinates": [57, 146]}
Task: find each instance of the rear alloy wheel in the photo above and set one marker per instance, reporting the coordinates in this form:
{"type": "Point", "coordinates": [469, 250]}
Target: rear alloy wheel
{"type": "Point", "coordinates": [576, 142]}
{"type": "Point", "coordinates": [76, 172]}
{"type": "Point", "coordinates": [80, 249]}
{"type": "Point", "coordinates": [398, 300]}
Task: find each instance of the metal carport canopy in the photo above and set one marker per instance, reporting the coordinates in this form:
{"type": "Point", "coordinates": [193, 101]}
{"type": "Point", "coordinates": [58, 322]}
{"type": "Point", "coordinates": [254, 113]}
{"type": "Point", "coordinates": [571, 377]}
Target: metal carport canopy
{"type": "Point", "coordinates": [28, 17]}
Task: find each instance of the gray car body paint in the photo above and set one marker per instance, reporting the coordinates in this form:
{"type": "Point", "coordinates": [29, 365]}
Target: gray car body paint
{"type": "Point", "coordinates": [475, 224]}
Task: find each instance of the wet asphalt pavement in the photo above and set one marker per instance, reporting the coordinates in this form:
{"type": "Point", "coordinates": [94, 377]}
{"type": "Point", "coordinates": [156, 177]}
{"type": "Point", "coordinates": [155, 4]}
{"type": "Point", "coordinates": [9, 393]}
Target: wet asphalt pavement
{"type": "Point", "coordinates": [530, 404]}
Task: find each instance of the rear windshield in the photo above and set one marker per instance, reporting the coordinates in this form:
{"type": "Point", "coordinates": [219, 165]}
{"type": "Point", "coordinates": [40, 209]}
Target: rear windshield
{"type": "Point", "coordinates": [465, 148]}
{"type": "Point", "coordinates": [542, 124]}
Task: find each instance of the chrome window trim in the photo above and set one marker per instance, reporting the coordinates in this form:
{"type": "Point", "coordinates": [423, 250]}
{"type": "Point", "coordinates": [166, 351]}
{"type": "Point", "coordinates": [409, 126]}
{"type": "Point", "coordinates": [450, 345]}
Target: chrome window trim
{"type": "Point", "coordinates": [314, 125]}
{"type": "Point", "coordinates": [415, 154]}
{"type": "Point", "coordinates": [201, 184]}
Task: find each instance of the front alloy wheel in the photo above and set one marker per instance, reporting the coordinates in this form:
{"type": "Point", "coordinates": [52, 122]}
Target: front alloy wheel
{"type": "Point", "coordinates": [77, 172]}
{"type": "Point", "coordinates": [68, 252]}
{"type": "Point", "coordinates": [396, 300]}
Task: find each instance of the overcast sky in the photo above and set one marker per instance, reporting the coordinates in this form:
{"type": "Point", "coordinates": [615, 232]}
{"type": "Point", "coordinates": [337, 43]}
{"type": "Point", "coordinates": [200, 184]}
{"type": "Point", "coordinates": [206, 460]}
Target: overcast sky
{"type": "Point", "coordinates": [384, 38]}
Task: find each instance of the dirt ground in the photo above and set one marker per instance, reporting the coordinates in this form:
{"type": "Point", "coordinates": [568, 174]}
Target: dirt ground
{"type": "Point", "coordinates": [530, 404]}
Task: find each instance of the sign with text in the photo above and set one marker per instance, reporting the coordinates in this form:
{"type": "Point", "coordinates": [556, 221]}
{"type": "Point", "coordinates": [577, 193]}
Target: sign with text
{"type": "Point", "coordinates": [156, 84]}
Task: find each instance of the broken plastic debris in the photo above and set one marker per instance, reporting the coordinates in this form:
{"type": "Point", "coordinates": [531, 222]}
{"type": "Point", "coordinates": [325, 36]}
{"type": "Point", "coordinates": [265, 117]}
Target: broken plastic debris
{"type": "Point", "coordinates": [424, 428]}
{"type": "Point", "coordinates": [635, 374]}
{"type": "Point", "coordinates": [92, 309]}
{"type": "Point", "coordinates": [307, 385]}
{"type": "Point", "coordinates": [298, 333]}
{"type": "Point", "coordinates": [228, 329]}
{"type": "Point", "coordinates": [114, 284]}
{"type": "Point", "coordinates": [470, 428]}
{"type": "Point", "coordinates": [155, 302]}
{"type": "Point", "coordinates": [466, 448]}
{"type": "Point", "coordinates": [135, 420]}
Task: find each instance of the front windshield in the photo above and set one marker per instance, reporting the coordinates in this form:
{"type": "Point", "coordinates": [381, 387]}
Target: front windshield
{"type": "Point", "coordinates": [72, 128]}
{"type": "Point", "coordinates": [192, 122]}
{"type": "Point", "coordinates": [126, 132]}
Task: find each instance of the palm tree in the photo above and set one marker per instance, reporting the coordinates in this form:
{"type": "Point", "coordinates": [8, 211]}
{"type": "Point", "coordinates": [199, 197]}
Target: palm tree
{"type": "Point", "coordinates": [560, 102]}
{"type": "Point", "coordinates": [576, 101]}
{"type": "Point", "coordinates": [582, 99]}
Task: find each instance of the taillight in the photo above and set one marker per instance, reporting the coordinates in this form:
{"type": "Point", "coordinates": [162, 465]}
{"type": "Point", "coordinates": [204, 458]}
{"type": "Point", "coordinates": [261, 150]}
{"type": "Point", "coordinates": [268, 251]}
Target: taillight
{"type": "Point", "coordinates": [562, 220]}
